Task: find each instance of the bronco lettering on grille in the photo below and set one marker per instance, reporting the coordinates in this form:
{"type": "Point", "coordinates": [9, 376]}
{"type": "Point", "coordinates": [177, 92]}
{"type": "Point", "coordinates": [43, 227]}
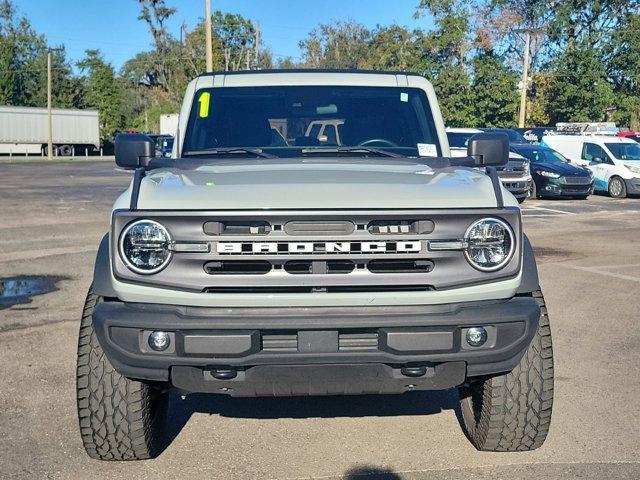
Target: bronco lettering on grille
{"type": "Point", "coordinates": [231, 248]}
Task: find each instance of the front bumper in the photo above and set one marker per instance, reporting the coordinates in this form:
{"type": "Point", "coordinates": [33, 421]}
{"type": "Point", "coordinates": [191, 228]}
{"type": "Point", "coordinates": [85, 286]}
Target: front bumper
{"type": "Point", "coordinates": [553, 188]}
{"type": "Point", "coordinates": [518, 186]}
{"type": "Point", "coordinates": [302, 351]}
{"type": "Point", "coordinates": [633, 186]}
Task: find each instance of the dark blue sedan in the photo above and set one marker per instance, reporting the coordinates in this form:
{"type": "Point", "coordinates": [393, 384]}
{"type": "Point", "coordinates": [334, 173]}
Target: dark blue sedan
{"type": "Point", "coordinates": [553, 175]}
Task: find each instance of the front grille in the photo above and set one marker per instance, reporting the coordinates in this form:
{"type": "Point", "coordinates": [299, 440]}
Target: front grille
{"type": "Point", "coordinates": [316, 251]}
{"type": "Point", "coordinates": [577, 180]}
{"type": "Point", "coordinates": [348, 341]}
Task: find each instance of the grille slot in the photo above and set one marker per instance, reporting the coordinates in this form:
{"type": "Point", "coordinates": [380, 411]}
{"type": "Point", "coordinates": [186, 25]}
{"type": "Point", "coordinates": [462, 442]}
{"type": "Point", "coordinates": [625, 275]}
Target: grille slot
{"type": "Point", "coordinates": [329, 289]}
{"type": "Point", "coordinates": [400, 266]}
{"type": "Point", "coordinates": [391, 227]}
{"type": "Point", "coordinates": [238, 267]}
{"type": "Point", "coordinates": [349, 342]}
{"type": "Point", "coordinates": [299, 267]}
{"type": "Point", "coordinates": [280, 343]}
{"type": "Point", "coordinates": [328, 228]}
{"type": "Point", "coordinates": [237, 228]}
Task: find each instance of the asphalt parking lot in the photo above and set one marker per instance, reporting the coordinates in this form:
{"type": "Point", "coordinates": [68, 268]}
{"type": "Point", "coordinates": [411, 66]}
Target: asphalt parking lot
{"type": "Point", "coordinates": [53, 216]}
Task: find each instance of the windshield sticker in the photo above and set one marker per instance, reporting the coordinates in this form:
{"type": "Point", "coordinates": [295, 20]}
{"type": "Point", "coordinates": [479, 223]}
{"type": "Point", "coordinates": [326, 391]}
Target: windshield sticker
{"type": "Point", "coordinates": [427, 150]}
{"type": "Point", "coordinates": [204, 101]}
{"type": "Point", "coordinates": [404, 97]}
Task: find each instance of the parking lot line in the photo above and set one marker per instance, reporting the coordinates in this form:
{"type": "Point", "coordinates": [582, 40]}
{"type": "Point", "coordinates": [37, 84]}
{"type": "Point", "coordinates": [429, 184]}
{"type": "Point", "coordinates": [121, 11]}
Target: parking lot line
{"type": "Point", "coordinates": [530, 207]}
{"type": "Point", "coordinates": [601, 272]}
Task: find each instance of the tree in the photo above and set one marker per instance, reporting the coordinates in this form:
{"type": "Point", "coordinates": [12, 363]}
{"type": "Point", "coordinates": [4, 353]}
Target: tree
{"type": "Point", "coordinates": [343, 44]}
{"type": "Point", "coordinates": [495, 97]}
{"type": "Point", "coordinates": [580, 91]}
{"type": "Point", "coordinates": [104, 92]}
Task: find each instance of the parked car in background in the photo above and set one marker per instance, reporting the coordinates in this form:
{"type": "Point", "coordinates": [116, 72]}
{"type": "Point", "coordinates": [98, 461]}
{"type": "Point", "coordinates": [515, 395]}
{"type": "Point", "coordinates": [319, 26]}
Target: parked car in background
{"type": "Point", "coordinates": [614, 161]}
{"type": "Point", "coordinates": [553, 175]}
{"type": "Point", "coordinates": [515, 175]}
{"type": "Point", "coordinates": [514, 136]}
{"type": "Point", "coordinates": [535, 134]}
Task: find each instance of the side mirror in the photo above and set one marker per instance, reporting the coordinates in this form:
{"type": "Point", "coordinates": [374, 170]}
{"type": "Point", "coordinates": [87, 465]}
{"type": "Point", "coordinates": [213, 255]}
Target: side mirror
{"type": "Point", "coordinates": [489, 149]}
{"type": "Point", "coordinates": [134, 150]}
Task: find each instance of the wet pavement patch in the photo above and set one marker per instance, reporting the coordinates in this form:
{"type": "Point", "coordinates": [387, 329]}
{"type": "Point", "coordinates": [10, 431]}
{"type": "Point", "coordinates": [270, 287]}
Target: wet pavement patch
{"type": "Point", "coordinates": [21, 289]}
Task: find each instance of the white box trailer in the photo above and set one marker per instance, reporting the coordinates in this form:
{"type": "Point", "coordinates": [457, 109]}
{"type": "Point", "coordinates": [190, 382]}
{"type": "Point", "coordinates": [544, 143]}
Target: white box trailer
{"type": "Point", "coordinates": [25, 130]}
{"type": "Point", "coordinates": [169, 124]}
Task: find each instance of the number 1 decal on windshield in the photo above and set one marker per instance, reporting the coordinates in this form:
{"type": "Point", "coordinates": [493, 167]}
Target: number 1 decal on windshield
{"type": "Point", "coordinates": [204, 101]}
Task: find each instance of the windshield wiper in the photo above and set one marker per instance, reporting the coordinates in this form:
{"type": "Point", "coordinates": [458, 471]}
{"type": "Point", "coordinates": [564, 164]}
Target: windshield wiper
{"type": "Point", "coordinates": [376, 151]}
{"type": "Point", "coordinates": [222, 151]}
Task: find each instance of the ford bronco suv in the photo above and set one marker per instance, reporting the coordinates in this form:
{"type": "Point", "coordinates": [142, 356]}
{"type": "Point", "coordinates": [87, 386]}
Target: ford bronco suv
{"type": "Point", "coordinates": [262, 261]}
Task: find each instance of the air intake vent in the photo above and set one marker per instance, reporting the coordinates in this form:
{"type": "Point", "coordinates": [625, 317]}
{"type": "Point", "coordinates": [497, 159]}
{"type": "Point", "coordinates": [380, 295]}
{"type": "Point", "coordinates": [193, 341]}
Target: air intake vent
{"type": "Point", "coordinates": [400, 266]}
{"type": "Point", "coordinates": [237, 228]}
{"type": "Point", "coordinates": [396, 227]}
{"type": "Point", "coordinates": [239, 267]}
{"type": "Point", "coordinates": [328, 228]}
{"type": "Point", "coordinates": [319, 290]}
{"type": "Point", "coordinates": [297, 267]}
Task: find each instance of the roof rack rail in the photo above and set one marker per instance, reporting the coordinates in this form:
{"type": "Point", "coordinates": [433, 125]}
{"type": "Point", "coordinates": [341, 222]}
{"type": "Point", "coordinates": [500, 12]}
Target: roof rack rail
{"type": "Point", "coordinates": [586, 128]}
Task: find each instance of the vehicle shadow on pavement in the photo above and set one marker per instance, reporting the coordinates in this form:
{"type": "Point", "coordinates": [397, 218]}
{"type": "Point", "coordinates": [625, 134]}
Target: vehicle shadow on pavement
{"type": "Point", "coordinates": [370, 473]}
{"type": "Point", "coordinates": [413, 403]}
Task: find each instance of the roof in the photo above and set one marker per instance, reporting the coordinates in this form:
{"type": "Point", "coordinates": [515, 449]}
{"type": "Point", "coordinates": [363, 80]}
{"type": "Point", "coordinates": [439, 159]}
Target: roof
{"type": "Point", "coordinates": [311, 70]}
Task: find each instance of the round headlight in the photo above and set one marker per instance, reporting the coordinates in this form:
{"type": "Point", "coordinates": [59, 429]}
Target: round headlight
{"type": "Point", "coordinates": [144, 246]}
{"type": "Point", "coordinates": [490, 244]}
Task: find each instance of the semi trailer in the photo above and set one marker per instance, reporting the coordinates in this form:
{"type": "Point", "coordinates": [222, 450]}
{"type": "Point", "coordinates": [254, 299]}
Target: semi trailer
{"type": "Point", "coordinates": [25, 130]}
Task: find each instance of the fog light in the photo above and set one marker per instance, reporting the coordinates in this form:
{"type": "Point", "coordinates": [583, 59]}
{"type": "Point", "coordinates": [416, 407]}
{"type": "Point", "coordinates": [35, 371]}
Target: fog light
{"type": "Point", "coordinates": [476, 336]}
{"type": "Point", "coordinates": [159, 341]}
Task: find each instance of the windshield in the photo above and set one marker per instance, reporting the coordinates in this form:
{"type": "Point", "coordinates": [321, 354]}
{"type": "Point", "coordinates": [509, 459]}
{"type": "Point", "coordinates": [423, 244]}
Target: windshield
{"type": "Point", "coordinates": [624, 151]}
{"type": "Point", "coordinates": [298, 120]}
{"type": "Point", "coordinates": [536, 155]}
{"type": "Point", "coordinates": [459, 139]}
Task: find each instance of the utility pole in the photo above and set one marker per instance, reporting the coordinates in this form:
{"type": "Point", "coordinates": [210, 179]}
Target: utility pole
{"type": "Point", "coordinates": [208, 39]}
{"type": "Point", "coordinates": [49, 117]}
{"type": "Point", "coordinates": [525, 80]}
{"type": "Point", "coordinates": [525, 69]}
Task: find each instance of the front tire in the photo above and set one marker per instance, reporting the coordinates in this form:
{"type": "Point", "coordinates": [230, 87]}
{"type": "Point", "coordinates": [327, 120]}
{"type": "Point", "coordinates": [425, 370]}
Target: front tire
{"type": "Point", "coordinates": [617, 188]}
{"type": "Point", "coordinates": [120, 419]}
{"type": "Point", "coordinates": [512, 412]}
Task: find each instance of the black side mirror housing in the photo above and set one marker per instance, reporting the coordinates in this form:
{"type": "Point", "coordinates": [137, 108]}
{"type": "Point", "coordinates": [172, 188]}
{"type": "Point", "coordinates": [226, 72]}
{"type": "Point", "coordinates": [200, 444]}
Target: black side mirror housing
{"type": "Point", "coordinates": [134, 150]}
{"type": "Point", "coordinates": [489, 149]}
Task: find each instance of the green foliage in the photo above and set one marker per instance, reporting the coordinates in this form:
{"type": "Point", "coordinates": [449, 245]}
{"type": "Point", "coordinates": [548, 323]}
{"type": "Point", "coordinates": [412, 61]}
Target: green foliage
{"type": "Point", "coordinates": [104, 92]}
{"type": "Point", "coordinates": [580, 91]}
{"type": "Point", "coordinates": [495, 97]}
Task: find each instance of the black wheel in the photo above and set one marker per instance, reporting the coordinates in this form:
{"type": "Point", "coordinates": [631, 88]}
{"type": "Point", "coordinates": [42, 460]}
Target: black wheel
{"type": "Point", "coordinates": [583, 197]}
{"type": "Point", "coordinates": [512, 412]}
{"type": "Point", "coordinates": [120, 419]}
{"type": "Point", "coordinates": [521, 199]}
{"type": "Point", "coordinates": [65, 150]}
{"type": "Point", "coordinates": [617, 187]}
{"type": "Point", "coordinates": [533, 193]}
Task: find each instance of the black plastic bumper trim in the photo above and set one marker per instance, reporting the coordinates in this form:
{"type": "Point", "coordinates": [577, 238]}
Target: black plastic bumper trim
{"type": "Point", "coordinates": [119, 326]}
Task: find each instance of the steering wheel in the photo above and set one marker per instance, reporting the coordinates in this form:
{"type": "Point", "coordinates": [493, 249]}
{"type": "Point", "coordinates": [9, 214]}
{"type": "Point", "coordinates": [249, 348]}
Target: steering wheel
{"type": "Point", "coordinates": [373, 142]}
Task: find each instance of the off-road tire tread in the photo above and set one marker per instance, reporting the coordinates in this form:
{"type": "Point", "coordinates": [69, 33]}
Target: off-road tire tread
{"type": "Point", "coordinates": [120, 419]}
{"type": "Point", "coordinates": [512, 412]}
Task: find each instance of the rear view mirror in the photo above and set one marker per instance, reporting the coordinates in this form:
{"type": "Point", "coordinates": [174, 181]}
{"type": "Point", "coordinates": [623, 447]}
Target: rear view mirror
{"type": "Point", "coordinates": [489, 149]}
{"type": "Point", "coordinates": [134, 150]}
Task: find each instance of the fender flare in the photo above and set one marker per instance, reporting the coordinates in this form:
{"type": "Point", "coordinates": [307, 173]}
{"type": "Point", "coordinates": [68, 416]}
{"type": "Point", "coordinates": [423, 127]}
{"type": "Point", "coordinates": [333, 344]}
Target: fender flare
{"type": "Point", "coordinates": [102, 271]}
{"type": "Point", "coordinates": [530, 280]}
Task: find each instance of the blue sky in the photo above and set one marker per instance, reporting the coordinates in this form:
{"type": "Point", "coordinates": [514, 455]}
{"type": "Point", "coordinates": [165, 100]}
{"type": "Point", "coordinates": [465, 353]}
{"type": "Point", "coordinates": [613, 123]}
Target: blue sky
{"type": "Point", "coordinates": [112, 26]}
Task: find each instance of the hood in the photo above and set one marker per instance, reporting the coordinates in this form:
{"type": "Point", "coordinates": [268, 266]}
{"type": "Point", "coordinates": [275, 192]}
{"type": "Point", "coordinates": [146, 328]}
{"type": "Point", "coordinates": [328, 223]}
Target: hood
{"type": "Point", "coordinates": [560, 168]}
{"type": "Point", "coordinates": [314, 184]}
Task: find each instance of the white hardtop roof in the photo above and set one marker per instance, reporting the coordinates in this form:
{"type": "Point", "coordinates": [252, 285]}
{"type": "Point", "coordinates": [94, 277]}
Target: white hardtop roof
{"type": "Point", "coordinates": [267, 78]}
